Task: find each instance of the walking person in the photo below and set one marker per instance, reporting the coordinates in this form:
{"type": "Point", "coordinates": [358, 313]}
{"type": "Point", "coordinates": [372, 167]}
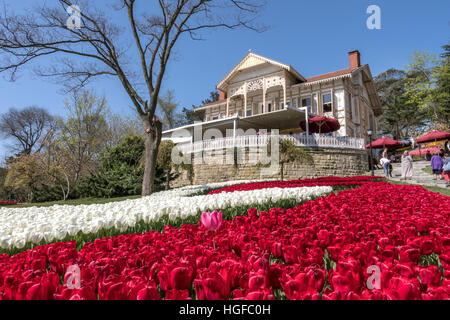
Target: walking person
{"type": "Point", "coordinates": [446, 159]}
{"type": "Point", "coordinates": [436, 164]}
{"type": "Point", "coordinates": [407, 166]}
{"type": "Point", "coordinates": [385, 164]}
{"type": "Point", "coordinates": [428, 155]}
{"type": "Point", "coordinates": [446, 169]}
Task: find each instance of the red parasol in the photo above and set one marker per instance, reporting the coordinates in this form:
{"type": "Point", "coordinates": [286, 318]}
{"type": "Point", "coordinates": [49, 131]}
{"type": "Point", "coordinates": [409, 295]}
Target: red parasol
{"type": "Point", "coordinates": [321, 124]}
{"type": "Point", "coordinates": [384, 142]}
{"type": "Point", "coordinates": [434, 136]}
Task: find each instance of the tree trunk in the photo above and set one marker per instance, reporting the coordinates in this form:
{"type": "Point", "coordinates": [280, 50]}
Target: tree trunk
{"type": "Point", "coordinates": [153, 132]}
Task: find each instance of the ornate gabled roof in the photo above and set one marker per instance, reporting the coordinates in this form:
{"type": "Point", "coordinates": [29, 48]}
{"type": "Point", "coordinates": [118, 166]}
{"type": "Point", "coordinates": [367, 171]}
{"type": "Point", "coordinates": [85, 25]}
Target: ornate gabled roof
{"type": "Point", "coordinates": [329, 75]}
{"type": "Point", "coordinates": [252, 59]}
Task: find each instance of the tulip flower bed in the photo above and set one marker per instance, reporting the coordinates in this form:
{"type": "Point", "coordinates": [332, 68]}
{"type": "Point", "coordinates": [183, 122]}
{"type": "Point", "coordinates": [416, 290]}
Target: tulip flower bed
{"type": "Point", "coordinates": [324, 181]}
{"type": "Point", "coordinates": [321, 249]}
{"type": "Point", "coordinates": [7, 203]}
{"type": "Point", "coordinates": [23, 228]}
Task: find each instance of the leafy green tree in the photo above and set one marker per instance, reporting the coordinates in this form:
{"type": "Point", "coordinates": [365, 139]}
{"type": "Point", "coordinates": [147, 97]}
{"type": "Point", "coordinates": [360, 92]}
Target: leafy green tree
{"type": "Point", "coordinates": [190, 115]}
{"type": "Point", "coordinates": [120, 171]}
{"type": "Point", "coordinates": [288, 153]}
{"type": "Point", "coordinates": [441, 94]}
{"type": "Point", "coordinates": [420, 79]}
{"type": "Point", "coordinates": [400, 118]}
{"type": "Point", "coordinates": [26, 174]}
{"type": "Point", "coordinates": [165, 162]}
{"type": "Point", "coordinates": [5, 195]}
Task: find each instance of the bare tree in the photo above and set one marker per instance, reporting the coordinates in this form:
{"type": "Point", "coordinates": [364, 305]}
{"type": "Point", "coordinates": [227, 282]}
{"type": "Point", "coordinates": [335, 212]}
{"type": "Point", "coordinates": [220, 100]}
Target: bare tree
{"type": "Point", "coordinates": [121, 126]}
{"type": "Point", "coordinates": [83, 133]}
{"type": "Point", "coordinates": [102, 49]}
{"type": "Point", "coordinates": [29, 127]}
{"type": "Point", "coordinates": [168, 109]}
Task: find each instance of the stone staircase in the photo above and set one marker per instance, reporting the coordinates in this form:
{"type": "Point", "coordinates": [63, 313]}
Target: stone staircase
{"type": "Point", "coordinates": [419, 176]}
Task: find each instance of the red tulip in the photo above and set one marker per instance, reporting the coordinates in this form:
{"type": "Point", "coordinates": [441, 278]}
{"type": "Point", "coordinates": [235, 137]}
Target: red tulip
{"type": "Point", "coordinates": [148, 293]}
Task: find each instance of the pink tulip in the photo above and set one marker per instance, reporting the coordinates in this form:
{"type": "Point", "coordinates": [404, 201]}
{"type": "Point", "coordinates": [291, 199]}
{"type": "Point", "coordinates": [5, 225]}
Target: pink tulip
{"type": "Point", "coordinates": [212, 220]}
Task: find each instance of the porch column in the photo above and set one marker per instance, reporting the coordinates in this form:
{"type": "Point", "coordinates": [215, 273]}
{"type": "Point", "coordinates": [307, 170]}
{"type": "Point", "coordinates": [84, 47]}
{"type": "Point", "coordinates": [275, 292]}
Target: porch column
{"type": "Point", "coordinates": [234, 132]}
{"type": "Point", "coordinates": [319, 101]}
{"type": "Point", "coordinates": [245, 99]}
{"type": "Point", "coordinates": [290, 96]}
{"type": "Point", "coordinates": [264, 95]}
{"type": "Point", "coordinates": [333, 106]}
{"type": "Point", "coordinates": [228, 107]}
{"type": "Point", "coordinates": [307, 122]}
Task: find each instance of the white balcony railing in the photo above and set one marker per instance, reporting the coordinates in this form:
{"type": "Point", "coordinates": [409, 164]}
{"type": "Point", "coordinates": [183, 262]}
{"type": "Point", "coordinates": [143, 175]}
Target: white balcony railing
{"type": "Point", "coordinates": [262, 140]}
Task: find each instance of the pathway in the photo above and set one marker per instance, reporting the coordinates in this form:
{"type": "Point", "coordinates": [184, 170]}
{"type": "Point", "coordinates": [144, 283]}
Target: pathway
{"type": "Point", "coordinates": [419, 176]}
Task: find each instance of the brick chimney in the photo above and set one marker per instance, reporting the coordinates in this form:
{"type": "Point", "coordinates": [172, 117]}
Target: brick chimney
{"type": "Point", "coordinates": [222, 95]}
{"type": "Point", "coordinates": [355, 59]}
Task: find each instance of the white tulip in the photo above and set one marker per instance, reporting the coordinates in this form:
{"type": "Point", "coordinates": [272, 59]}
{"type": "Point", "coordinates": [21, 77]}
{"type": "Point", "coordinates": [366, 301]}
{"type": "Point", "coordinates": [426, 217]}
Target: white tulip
{"type": "Point", "coordinates": [20, 225]}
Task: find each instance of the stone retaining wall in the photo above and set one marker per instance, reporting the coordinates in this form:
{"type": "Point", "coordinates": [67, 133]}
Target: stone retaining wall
{"type": "Point", "coordinates": [326, 162]}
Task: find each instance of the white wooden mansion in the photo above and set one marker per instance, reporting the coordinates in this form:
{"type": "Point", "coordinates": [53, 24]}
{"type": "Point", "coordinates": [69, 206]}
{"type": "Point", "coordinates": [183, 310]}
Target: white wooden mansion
{"type": "Point", "coordinates": [261, 93]}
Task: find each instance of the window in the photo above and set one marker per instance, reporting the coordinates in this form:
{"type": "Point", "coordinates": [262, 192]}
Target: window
{"type": "Point", "coordinates": [306, 102]}
{"type": "Point", "coordinates": [269, 107]}
{"type": "Point", "coordinates": [327, 104]}
{"type": "Point", "coordinates": [249, 112]}
{"type": "Point", "coordinates": [295, 102]}
{"type": "Point", "coordinates": [288, 104]}
{"type": "Point", "coordinates": [351, 108]}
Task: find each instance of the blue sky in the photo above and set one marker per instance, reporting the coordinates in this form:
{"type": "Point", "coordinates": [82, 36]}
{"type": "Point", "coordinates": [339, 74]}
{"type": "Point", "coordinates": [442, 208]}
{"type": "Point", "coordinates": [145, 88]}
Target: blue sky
{"type": "Point", "coordinates": [312, 36]}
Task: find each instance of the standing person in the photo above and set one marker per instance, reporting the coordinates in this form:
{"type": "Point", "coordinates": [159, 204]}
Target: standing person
{"type": "Point", "coordinates": [436, 164]}
{"type": "Point", "coordinates": [446, 158]}
{"type": "Point", "coordinates": [446, 169]}
{"type": "Point", "coordinates": [428, 155]}
{"type": "Point", "coordinates": [392, 158]}
{"type": "Point", "coordinates": [407, 166]}
{"type": "Point", "coordinates": [385, 164]}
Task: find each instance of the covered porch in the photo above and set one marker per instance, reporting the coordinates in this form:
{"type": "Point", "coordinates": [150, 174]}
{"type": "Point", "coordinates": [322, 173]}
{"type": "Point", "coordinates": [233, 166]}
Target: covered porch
{"type": "Point", "coordinates": [282, 120]}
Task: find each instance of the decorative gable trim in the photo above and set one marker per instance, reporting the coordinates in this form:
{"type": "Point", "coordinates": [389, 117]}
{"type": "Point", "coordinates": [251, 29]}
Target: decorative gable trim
{"type": "Point", "coordinates": [244, 64]}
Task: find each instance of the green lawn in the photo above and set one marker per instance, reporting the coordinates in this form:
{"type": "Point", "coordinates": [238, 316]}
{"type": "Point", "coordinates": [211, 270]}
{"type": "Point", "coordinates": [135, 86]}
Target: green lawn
{"type": "Point", "coordinates": [75, 202]}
